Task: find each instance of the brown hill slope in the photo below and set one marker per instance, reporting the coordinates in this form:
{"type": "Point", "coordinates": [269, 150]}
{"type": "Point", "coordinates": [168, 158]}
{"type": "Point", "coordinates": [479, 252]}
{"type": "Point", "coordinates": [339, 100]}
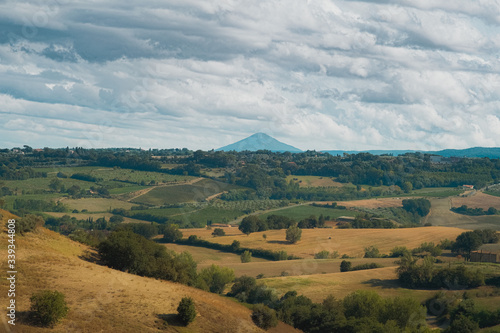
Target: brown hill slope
{"type": "Point", "coordinates": [106, 300]}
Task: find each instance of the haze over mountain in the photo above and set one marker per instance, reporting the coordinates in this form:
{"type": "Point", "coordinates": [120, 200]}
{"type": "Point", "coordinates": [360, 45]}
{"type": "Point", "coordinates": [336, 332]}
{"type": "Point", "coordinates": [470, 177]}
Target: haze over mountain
{"type": "Point", "coordinates": [260, 141]}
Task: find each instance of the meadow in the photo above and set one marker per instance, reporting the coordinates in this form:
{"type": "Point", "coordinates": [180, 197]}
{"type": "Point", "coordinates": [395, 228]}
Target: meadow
{"type": "Point", "coordinates": [300, 212]}
{"type": "Point", "coordinates": [346, 241]}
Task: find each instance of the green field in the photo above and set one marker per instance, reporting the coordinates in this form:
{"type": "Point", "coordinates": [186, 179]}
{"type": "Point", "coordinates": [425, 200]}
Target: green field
{"type": "Point", "coordinates": [96, 204]}
{"type": "Point", "coordinates": [195, 192]}
{"type": "Point", "coordinates": [209, 213]}
{"type": "Point", "coordinates": [303, 211]}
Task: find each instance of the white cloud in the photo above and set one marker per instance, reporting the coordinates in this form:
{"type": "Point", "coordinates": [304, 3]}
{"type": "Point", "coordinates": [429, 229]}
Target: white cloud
{"type": "Point", "coordinates": [316, 74]}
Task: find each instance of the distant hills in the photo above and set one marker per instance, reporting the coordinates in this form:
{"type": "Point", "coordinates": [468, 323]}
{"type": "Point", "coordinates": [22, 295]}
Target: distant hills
{"type": "Point", "coordinates": [469, 152]}
{"type": "Point", "coordinates": [262, 141]}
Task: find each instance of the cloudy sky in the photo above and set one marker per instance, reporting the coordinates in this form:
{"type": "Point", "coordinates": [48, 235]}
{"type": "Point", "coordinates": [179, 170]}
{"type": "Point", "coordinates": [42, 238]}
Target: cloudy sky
{"type": "Point", "coordinates": [373, 74]}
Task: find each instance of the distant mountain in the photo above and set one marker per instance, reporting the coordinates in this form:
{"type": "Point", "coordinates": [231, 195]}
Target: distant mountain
{"type": "Point", "coordinates": [260, 141]}
{"type": "Point", "coordinates": [469, 152]}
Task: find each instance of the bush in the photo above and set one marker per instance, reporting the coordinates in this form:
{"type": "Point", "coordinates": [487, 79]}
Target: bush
{"type": "Point", "coordinates": [322, 255]}
{"type": "Point", "coordinates": [172, 233]}
{"type": "Point", "coordinates": [371, 265]}
{"type": "Point", "coordinates": [187, 310]}
{"type": "Point", "coordinates": [218, 232]}
{"type": "Point", "coordinates": [29, 223]}
{"type": "Point", "coordinates": [399, 251]}
{"type": "Point", "coordinates": [372, 252]}
{"type": "Point", "coordinates": [215, 278]}
{"type": "Point", "coordinates": [246, 256]}
{"type": "Point", "coordinates": [345, 266]}
{"type": "Point", "coordinates": [49, 307]}
{"type": "Point", "coordinates": [264, 317]}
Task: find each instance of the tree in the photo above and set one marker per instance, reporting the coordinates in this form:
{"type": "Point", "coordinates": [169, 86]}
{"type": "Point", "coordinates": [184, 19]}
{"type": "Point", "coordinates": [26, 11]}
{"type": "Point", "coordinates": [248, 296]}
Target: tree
{"type": "Point", "coordinates": [49, 307]}
{"type": "Point", "coordinates": [186, 310]}
{"type": "Point", "coordinates": [218, 232]}
{"type": "Point", "coordinates": [264, 317]}
{"type": "Point", "coordinates": [345, 266]}
{"type": "Point", "coordinates": [215, 278]}
{"type": "Point", "coordinates": [467, 242]}
{"type": "Point", "coordinates": [293, 234]}
{"type": "Point", "coordinates": [242, 287]}
{"type": "Point", "coordinates": [249, 224]}
{"type": "Point", "coordinates": [246, 256]}
{"type": "Point", "coordinates": [362, 303]}
{"type": "Point", "coordinates": [172, 233]}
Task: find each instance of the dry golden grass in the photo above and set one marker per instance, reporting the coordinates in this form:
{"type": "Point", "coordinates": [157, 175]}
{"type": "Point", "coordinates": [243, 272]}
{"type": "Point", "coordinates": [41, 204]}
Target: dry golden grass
{"type": "Point", "coordinates": [479, 200]}
{"type": "Point", "coordinates": [370, 203]}
{"type": "Point", "coordinates": [318, 286]}
{"type": "Point", "coordinates": [298, 267]}
{"type": "Point", "coordinates": [346, 241]}
{"type": "Point", "coordinates": [106, 300]}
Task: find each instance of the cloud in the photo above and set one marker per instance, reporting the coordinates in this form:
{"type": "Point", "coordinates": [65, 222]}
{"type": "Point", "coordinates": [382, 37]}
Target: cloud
{"type": "Point", "coordinates": [317, 75]}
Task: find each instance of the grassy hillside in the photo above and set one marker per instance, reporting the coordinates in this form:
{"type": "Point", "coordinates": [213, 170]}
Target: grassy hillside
{"type": "Point", "coordinates": [348, 241]}
{"type": "Point", "coordinates": [106, 300]}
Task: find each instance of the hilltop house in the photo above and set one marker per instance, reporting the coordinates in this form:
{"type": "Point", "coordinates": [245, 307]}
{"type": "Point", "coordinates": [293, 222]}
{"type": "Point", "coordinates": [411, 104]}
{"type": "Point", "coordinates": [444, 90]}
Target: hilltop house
{"type": "Point", "coordinates": [486, 253]}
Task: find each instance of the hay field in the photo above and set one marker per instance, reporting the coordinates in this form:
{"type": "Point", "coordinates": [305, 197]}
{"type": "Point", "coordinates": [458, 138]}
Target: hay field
{"type": "Point", "coordinates": [441, 215]}
{"type": "Point", "coordinates": [105, 300]}
{"type": "Point", "coordinates": [297, 267]}
{"type": "Point", "coordinates": [346, 241]}
{"type": "Point", "coordinates": [371, 203]}
{"type": "Point", "coordinates": [319, 286]}
{"type": "Point", "coordinates": [478, 200]}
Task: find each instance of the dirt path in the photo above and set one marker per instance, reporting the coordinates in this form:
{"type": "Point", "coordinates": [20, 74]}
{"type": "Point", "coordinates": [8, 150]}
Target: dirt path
{"type": "Point", "coordinates": [137, 194]}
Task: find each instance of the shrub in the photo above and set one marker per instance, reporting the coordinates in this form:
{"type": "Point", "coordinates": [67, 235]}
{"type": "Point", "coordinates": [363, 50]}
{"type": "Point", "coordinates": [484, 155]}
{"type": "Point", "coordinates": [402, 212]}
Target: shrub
{"type": "Point", "coordinates": [246, 256]}
{"type": "Point", "coordinates": [218, 232]}
{"type": "Point", "coordinates": [264, 317]}
{"type": "Point", "coordinates": [29, 223]}
{"type": "Point", "coordinates": [186, 310]}
{"type": "Point", "coordinates": [399, 251]}
{"type": "Point", "coordinates": [366, 266]}
{"type": "Point", "coordinates": [215, 278]}
{"type": "Point", "coordinates": [372, 252]}
{"type": "Point", "coordinates": [49, 307]}
{"type": "Point", "coordinates": [322, 255]}
{"type": "Point", "coordinates": [345, 266]}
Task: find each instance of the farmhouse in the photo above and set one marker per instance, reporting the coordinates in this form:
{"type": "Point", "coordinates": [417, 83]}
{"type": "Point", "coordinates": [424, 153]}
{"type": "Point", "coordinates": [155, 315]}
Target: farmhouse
{"type": "Point", "coordinates": [468, 187]}
{"type": "Point", "coordinates": [482, 256]}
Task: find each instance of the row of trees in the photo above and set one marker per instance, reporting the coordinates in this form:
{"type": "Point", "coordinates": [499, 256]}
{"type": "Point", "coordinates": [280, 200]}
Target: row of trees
{"type": "Point", "coordinates": [360, 311]}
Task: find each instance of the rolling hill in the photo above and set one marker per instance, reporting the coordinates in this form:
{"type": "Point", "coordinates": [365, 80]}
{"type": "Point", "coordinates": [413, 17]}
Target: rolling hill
{"type": "Point", "coordinates": [106, 300]}
{"type": "Point", "coordinates": [260, 141]}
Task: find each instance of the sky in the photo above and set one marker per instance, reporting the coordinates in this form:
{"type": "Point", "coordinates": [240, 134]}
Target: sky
{"type": "Point", "coordinates": [316, 74]}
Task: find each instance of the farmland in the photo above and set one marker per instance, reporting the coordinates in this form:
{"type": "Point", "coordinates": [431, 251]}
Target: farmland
{"type": "Point", "coordinates": [314, 181]}
{"type": "Point", "coordinates": [196, 192]}
{"type": "Point", "coordinates": [346, 241]}
{"type": "Point", "coordinates": [303, 211]}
